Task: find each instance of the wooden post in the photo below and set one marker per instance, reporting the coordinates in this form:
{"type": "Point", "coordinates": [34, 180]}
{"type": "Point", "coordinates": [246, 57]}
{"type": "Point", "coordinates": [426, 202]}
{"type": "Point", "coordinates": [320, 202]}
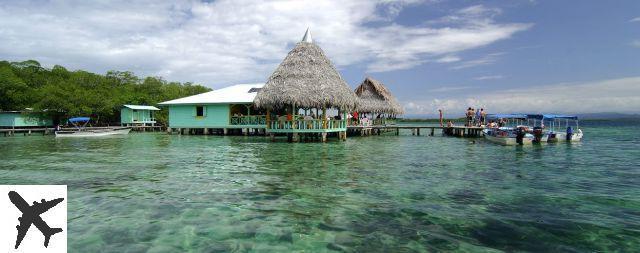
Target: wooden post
{"type": "Point", "coordinates": [324, 119]}
{"type": "Point", "coordinates": [324, 137]}
{"type": "Point", "coordinates": [432, 131]}
{"type": "Point", "coordinates": [268, 118]}
{"type": "Point", "coordinates": [225, 131]}
{"type": "Point", "coordinates": [418, 131]}
{"type": "Point", "coordinates": [293, 116]}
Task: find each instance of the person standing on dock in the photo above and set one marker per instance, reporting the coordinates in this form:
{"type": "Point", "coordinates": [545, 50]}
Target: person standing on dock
{"type": "Point", "coordinates": [478, 119]}
{"type": "Point", "coordinates": [469, 116]}
{"type": "Point", "coordinates": [440, 111]}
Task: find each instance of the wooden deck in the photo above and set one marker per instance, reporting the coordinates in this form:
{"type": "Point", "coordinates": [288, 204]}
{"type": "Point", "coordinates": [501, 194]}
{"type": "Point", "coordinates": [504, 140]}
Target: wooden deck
{"type": "Point", "coordinates": [458, 131]}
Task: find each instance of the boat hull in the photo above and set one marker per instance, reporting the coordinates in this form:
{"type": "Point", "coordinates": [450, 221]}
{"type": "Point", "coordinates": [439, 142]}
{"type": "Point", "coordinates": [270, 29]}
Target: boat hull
{"type": "Point", "coordinates": [562, 137]}
{"type": "Point", "coordinates": [507, 141]}
{"type": "Point", "coordinates": [93, 133]}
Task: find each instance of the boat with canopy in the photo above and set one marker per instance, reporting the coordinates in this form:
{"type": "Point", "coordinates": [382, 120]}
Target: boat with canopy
{"type": "Point", "coordinates": [81, 131]}
{"type": "Point", "coordinates": [561, 127]}
{"type": "Point", "coordinates": [510, 129]}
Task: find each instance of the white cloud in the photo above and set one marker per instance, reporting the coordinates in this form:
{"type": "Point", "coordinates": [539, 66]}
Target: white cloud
{"type": "Point", "coordinates": [615, 95]}
{"type": "Point", "coordinates": [449, 88]}
{"type": "Point", "coordinates": [635, 43]}
{"type": "Point", "coordinates": [448, 59]}
{"type": "Point", "coordinates": [635, 19]}
{"type": "Point", "coordinates": [492, 77]}
{"type": "Point", "coordinates": [226, 41]}
{"type": "Point", "coordinates": [485, 60]}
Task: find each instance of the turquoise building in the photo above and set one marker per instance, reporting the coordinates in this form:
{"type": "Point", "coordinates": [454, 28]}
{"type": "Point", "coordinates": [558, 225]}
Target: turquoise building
{"type": "Point", "coordinates": [223, 109]}
{"type": "Point", "coordinates": [18, 119]}
{"type": "Point", "coordinates": [138, 115]}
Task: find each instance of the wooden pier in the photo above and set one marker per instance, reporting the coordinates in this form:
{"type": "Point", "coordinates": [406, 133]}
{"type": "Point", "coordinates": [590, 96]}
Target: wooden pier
{"type": "Point", "coordinates": [457, 131]}
{"type": "Point", "coordinates": [49, 130]}
{"type": "Point", "coordinates": [417, 130]}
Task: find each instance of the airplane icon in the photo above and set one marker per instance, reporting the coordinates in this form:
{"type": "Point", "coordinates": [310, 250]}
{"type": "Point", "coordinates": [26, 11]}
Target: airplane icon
{"type": "Point", "coordinates": [31, 215]}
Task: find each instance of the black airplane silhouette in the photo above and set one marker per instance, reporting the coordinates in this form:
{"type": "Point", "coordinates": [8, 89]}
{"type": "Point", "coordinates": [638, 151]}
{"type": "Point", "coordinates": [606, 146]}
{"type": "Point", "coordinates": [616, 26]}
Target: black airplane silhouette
{"type": "Point", "coordinates": [31, 215]}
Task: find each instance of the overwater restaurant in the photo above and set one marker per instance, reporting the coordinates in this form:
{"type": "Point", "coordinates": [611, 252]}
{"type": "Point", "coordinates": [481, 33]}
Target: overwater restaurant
{"type": "Point", "coordinates": [305, 97]}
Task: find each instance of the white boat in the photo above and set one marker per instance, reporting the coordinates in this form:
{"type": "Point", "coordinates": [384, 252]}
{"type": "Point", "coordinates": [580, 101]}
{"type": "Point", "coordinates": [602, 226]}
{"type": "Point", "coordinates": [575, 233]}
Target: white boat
{"type": "Point", "coordinates": [81, 122]}
{"type": "Point", "coordinates": [562, 128]}
{"type": "Point", "coordinates": [94, 133]}
{"type": "Point", "coordinates": [562, 136]}
{"type": "Point", "coordinates": [508, 136]}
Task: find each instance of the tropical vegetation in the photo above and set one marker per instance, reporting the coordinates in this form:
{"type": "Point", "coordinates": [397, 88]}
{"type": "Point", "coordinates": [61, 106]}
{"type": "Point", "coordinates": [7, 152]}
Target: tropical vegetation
{"type": "Point", "coordinates": [62, 93]}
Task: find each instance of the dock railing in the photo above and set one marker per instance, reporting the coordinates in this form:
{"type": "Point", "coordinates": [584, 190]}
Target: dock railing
{"type": "Point", "coordinates": [312, 124]}
{"type": "Point", "coordinates": [251, 120]}
{"type": "Point", "coordinates": [365, 122]}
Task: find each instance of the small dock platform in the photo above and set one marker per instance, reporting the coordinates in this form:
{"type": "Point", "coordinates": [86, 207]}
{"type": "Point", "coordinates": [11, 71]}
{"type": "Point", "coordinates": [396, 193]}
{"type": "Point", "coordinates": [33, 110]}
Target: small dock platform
{"type": "Point", "coordinates": [457, 131]}
{"type": "Point", "coordinates": [6, 132]}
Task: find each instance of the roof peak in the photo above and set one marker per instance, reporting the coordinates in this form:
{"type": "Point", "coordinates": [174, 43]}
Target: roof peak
{"type": "Point", "coordinates": [307, 36]}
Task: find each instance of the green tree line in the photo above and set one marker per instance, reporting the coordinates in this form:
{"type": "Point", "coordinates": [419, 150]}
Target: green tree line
{"type": "Point", "coordinates": [63, 93]}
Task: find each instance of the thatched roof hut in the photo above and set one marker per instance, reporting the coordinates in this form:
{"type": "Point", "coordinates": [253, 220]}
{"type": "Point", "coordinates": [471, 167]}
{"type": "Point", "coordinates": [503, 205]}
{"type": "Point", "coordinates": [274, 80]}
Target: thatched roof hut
{"type": "Point", "coordinates": [373, 97]}
{"type": "Point", "coordinates": [306, 78]}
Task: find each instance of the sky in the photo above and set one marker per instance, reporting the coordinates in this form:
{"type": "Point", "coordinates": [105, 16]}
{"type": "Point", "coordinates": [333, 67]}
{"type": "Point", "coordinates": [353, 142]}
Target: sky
{"type": "Point", "coordinates": [505, 56]}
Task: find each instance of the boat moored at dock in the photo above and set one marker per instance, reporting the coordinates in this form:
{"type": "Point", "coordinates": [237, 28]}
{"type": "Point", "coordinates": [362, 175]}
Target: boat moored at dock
{"type": "Point", "coordinates": [517, 134]}
{"type": "Point", "coordinates": [80, 124]}
{"type": "Point", "coordinates": [562, 128]}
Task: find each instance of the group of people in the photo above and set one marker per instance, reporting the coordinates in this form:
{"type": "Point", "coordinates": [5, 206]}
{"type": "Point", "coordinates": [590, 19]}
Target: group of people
{"type": "Point", "coordinates": [476, 117]}
{"type": "Point", "coordinates": [495, 124]}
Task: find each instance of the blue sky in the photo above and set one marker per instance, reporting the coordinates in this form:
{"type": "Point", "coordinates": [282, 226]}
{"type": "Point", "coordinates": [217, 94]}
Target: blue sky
{"type": "Point", "coordinates": [521, 55]}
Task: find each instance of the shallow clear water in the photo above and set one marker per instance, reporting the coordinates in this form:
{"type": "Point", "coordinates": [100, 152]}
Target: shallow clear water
{"type": "Point", "coordinates": [169, 193]}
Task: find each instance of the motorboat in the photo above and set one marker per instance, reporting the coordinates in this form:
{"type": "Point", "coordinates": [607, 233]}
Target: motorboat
{"type": "Point", "coordinates": [562, 128]}
{"type": "Point", "coordinates": [508, 135]}
{"type": "Point", "coordinates": [81, 130]}
{"type": "Point", "coordinates": [502, 133]}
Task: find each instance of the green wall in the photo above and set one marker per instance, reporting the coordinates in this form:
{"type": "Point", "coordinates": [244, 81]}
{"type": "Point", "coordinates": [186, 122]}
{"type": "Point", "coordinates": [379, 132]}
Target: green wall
{"type": "Point", "coordinates": [16, 119]}
{"type": "Point", "coordinates": [184, 116]}
{"type": "Point", "coordinates": [139, 116]}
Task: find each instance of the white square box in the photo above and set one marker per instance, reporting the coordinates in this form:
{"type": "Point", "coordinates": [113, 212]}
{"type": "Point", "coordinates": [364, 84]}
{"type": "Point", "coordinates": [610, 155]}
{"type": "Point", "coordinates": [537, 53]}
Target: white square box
{"type": "Point", "coordinates": [55, 217]}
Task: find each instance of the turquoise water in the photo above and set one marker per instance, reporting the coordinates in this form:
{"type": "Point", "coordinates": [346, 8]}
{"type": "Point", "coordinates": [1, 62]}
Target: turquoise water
{"type": "Point", "coordinates": [151, 192]}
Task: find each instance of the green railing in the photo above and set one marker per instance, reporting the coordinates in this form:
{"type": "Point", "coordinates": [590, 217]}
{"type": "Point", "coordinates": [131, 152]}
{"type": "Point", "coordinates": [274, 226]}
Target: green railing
{"type": "Point", "coordinates": [313, 124]}
{"type": "Point", "coordinates": [383, 121]}
{"type": "Point", "coordinates": [375, 122]}
{"type": "Point", "coordinates": [249, 120]}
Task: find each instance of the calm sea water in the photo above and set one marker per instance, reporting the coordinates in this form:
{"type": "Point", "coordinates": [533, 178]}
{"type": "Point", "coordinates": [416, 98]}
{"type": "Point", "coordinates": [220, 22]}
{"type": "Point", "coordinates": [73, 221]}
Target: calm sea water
{"type": "Point", "coordinates": [151, 192]}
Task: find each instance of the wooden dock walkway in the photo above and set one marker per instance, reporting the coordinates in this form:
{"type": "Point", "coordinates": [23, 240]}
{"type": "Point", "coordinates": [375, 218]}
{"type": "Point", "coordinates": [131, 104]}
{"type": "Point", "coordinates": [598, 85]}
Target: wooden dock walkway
{"type": "Point", "coordinates": [50, 130]}
{"type": "Point", "coordinates": [458, 131]}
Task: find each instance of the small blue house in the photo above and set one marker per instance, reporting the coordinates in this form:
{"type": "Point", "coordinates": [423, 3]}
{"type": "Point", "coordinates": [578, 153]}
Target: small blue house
{"type": "Point", "coordinates": [18, 119]}
{"type": "Point", "coordinates": [226, 108]}
{"type": "Point", "coordinates": [138, 115]}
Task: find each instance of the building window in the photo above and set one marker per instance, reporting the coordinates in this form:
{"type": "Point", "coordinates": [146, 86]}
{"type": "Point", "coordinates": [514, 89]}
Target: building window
{"type": "Point", "coordinates": [199, 111]}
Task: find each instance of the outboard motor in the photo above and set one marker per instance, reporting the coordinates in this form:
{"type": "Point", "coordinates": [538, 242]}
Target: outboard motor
{"type": "Point", "coordinates": [537, 134]}
{"type": "Point", "coordinates": [519, 136]}
{"type": "Point", "coordinates": [569, 133]}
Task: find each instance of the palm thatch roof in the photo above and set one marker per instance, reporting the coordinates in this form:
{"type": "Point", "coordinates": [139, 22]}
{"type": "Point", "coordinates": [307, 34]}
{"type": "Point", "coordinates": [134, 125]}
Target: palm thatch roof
{"type": "Point", "coordinates": [306, 78]}
{"type": "Point", "coordinates": [375, 98]}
